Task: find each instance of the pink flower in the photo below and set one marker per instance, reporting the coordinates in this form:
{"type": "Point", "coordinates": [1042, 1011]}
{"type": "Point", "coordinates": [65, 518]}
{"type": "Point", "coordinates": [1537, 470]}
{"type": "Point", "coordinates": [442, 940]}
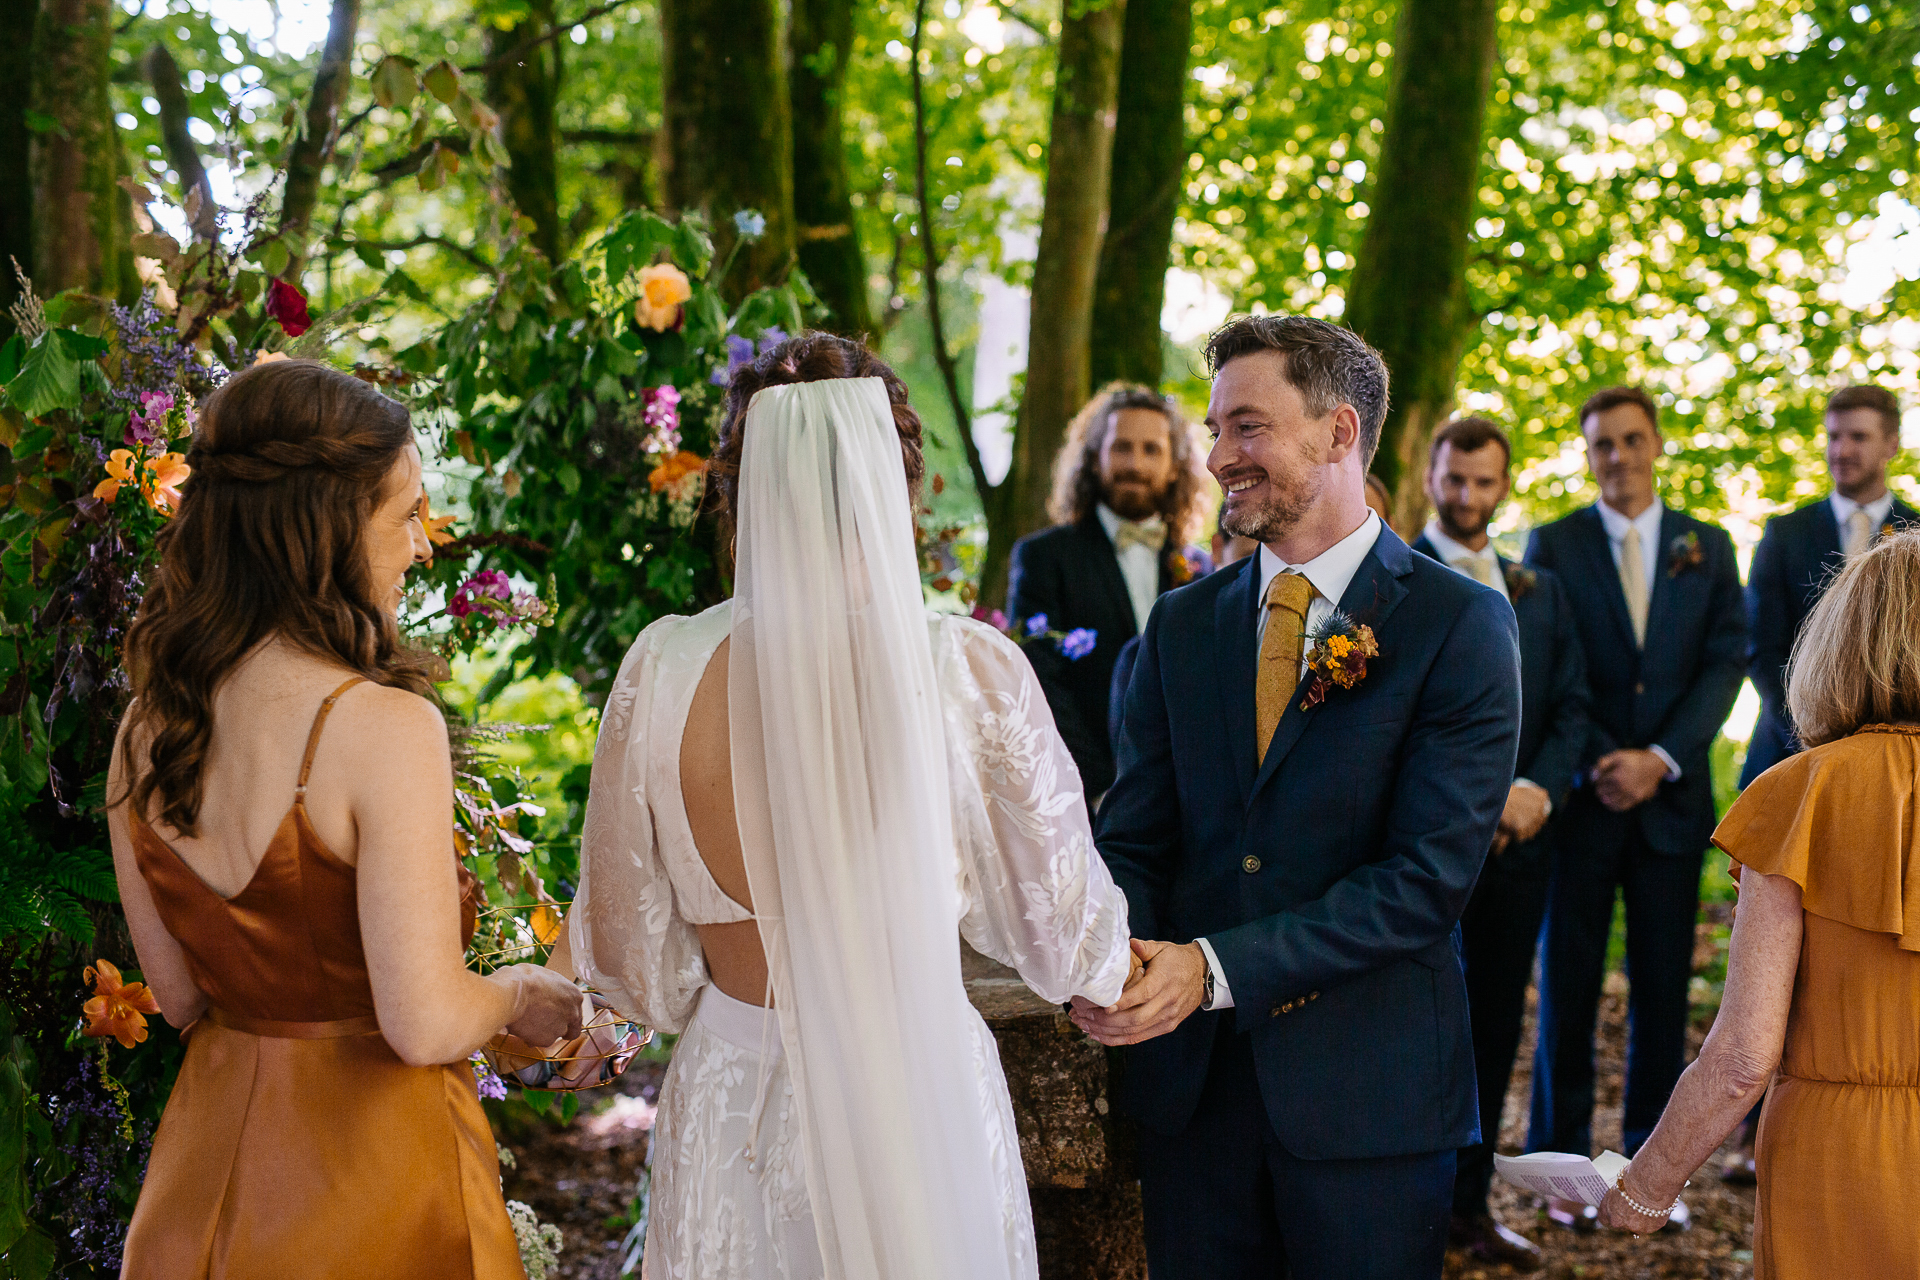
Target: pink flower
{"type": "Point", "coordinates": [145, 421]}
{"type": "Point", "coordinates": [477, 594]}
{"type": "Point", "coordinates": [661, 415]}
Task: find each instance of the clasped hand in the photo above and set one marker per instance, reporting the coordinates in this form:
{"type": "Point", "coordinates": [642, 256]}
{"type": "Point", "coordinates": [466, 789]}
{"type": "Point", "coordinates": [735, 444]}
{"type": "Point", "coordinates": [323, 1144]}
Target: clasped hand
{"type": "Point", "coordinates": [1166, 981]}
{"type": "Point", "coordinates": [1628, 778]}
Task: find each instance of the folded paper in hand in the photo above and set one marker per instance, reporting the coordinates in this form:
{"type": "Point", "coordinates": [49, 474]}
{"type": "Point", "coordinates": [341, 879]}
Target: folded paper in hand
{"type": "Point", "coordinates": [1569, 1177]}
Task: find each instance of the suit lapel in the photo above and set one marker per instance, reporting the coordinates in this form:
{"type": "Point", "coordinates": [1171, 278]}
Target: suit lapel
{"type": "Point", "coordinates": [1374, 593]}
{"type": "Point", "coordinates": [1602, 570]}
{"type": "Point", "coordinates": [1237, 642]}
{"type": "Point", "coordinates": [1826, 533]}
{"type": "Point", "coordinates": [1665, 584]}
{"type": "Point", "coordinates": [1113, 583]}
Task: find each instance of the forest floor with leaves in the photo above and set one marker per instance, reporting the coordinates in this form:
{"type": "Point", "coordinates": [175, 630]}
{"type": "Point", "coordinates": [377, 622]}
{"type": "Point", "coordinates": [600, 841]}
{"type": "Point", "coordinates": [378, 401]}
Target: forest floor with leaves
{"type": "Point", "coordinates": [582, 1176]}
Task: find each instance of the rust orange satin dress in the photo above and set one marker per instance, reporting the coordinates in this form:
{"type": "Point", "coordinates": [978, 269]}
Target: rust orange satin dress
{"type": "Point", "coordinates": [296, 1143]}
{"type": "Point", "coordinates": [1840, 1132]}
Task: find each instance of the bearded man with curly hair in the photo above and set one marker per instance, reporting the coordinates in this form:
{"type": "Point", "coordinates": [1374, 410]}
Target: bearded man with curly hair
{"type": "Point", "coordinates": [1130, 492]}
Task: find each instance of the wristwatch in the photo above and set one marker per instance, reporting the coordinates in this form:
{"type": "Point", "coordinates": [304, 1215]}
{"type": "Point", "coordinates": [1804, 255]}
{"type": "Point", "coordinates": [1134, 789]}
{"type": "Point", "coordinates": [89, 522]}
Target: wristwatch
{"type": "Point", "coordinates": [1206, 984]}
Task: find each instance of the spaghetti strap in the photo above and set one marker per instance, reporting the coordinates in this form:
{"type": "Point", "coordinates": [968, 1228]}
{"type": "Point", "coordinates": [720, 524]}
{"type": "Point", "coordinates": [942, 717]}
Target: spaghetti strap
{"type": "Point", "coordinates": [313, 737]}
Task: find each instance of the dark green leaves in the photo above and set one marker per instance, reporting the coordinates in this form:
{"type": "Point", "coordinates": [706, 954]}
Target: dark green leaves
{"type": "Point", "coordinates": [53, 373]}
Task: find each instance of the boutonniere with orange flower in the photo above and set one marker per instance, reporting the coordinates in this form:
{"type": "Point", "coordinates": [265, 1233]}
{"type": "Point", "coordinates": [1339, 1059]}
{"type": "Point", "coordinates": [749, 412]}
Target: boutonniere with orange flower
{"type": "Point", "coordinates": [1684, 553]}
{"type": "Point", "coordinates": [663, 288]}
{"type": "Point", "coordinates": [1339, 656]}
{"type": "Point", "coordinates": [1183, 566]}
{"type": "Point", "coordinates": [158, 479]}
{"type": "Point", "coordinates": [1521, 582]}
{"type": "Point", "coordinates": [118, 1008]}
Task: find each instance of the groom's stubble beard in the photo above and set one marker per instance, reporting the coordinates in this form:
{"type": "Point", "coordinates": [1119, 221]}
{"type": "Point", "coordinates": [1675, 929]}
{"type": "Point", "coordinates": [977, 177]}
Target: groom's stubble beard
{"type": "Point", "coordinates": [1294, 496]}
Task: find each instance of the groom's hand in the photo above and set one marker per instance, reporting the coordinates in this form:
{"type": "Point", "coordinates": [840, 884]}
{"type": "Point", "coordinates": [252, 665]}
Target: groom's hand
{"type": "Point", "coordinates": [1170, 988]}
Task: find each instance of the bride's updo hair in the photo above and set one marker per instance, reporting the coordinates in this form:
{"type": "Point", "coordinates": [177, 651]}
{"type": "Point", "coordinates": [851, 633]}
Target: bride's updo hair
{"type": "Point", "coordinates": [289, 461]}
{"type": "Point", "coordinates": [808, 357]}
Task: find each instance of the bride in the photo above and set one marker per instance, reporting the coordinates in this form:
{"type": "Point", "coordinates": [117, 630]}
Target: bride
{"type": "Point", "coordinates": [797, 796]}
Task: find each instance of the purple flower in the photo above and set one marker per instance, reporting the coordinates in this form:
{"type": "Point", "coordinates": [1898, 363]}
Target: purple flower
{"type": "Point", "coordinates": [739, 352]}
{"type": "Point", "coordinates": [1037, 624]}
{"type": "Point", "coordinates": [770, 337]}
{"type": "Point", "coordinates": [489, 1084]}
{"type": "Point", "coordinates": [1079, 642]}
{"type": "Point", "coordinates": [146, 418]}
{"type": "Point", "coordinates": [476, 594]}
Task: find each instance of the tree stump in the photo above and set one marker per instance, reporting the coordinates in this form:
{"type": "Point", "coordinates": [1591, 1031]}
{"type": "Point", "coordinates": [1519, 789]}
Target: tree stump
{"type": "Point", "coordinates": [1077, 1152]}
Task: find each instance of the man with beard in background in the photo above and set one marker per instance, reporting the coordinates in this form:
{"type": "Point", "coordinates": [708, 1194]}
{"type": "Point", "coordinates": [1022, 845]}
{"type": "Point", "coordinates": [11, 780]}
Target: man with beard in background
{"type": "Point", "coordinates": [1467, 480]}
{"type": "Point", "coordinates": [1129, 494]}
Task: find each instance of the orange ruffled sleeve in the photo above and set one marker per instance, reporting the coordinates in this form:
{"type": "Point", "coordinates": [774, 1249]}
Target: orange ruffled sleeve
{"type": "Point", "coordinates": [1839, 821]}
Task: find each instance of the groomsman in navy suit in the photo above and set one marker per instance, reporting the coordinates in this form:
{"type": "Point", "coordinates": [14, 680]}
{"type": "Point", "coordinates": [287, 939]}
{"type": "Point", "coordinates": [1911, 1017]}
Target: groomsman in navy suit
{"type": "Point", "coordinates": [1300, 848]}
{"type": "Point", "coordinates": [1802, 550]}
{"type": "Point", "coordinates": [1657, 597]}
{"type": "Point", "coordinates": [1467, 480]}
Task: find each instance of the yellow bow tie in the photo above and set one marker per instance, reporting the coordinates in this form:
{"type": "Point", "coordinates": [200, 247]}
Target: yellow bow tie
{"type": "Point", "coordinates": [1151, 534]}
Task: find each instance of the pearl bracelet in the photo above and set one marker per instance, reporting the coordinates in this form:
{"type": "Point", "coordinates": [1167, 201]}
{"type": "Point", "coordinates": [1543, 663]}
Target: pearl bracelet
{"type": "Point", "coordinates": [1620, 1185]}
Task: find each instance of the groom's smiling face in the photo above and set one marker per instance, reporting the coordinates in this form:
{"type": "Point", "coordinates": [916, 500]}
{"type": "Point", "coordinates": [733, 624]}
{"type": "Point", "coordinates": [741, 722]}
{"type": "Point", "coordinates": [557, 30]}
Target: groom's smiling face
{"type": "Point", "coordinates": [1270, 452]}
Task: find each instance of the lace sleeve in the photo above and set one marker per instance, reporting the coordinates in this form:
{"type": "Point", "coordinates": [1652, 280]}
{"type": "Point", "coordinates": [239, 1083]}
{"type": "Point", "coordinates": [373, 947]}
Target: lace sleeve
{"type": "Point", "coordinates": [1038, 897]}
{"type": "Point", "coordinates": [628, 937]}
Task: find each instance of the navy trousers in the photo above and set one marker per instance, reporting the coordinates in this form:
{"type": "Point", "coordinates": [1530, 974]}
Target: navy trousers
{"type": "Point", "coordinates": [1225, 1201]}
{"type": "Point", "coordinates": [1499, 934]}
{"type": "Point", "coordinates": [1602, 853]}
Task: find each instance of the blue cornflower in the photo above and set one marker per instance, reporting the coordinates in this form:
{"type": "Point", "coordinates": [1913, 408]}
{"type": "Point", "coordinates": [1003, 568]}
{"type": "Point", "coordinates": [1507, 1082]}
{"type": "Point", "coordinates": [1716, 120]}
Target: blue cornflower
{"type": "Point", "coordinates": [750, 224]}
{"type": "Point", "coordinates": [1037, 624]}
{"type": "Point", "coordinates": [1079, 642]}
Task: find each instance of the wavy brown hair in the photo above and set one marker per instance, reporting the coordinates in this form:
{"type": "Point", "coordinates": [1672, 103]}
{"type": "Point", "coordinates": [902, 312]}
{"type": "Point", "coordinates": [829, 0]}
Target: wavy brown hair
{"type": "Point", "coordinates": [1076, 468]}
{"type": "Point", "coordinates": [289, 461]}
{"type": "Point", "coordinates": [808, 357]}
{"type": "Point", "coordinates": [1857, 661]}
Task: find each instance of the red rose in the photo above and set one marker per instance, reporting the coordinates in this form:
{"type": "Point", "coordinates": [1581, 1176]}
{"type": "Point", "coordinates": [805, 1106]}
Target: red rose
{"type": "Point", "coordinates": [288, 305]}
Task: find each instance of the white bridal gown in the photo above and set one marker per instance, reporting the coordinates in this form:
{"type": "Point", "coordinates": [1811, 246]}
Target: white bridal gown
{"type": "Point", "coordinates": [730, 1192]}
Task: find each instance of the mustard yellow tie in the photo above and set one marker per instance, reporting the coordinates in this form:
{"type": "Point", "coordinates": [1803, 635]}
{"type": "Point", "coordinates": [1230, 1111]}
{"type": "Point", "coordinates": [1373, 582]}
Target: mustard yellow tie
{"type": "Point", "coordinates": [1288, 596]}
{"type": "Point", "coordinates": [1633, 584]}
{"type": "Point", "coordinates": [1859, 532]}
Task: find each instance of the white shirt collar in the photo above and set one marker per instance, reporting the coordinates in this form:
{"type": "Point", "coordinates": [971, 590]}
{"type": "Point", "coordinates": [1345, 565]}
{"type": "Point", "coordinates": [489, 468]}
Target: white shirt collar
{"type": "Point", "coordinates": [1647, 522]}
{"type": "Point", "coordinates": [1332, 569]}
{"type": "Point", "coordinates": [1452, 549]}
{"type": "Point", "coordinates": [1844, 507]}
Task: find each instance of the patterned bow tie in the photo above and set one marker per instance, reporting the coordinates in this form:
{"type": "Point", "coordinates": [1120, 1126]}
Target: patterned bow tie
{"type": "Point", "coordinates": [1151, 534]}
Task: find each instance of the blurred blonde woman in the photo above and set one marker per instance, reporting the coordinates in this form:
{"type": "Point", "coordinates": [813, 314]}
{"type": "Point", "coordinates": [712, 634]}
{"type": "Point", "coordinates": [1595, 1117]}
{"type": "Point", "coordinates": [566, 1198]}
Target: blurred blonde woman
{"type": "Point", "coordinates": [1823, 981]}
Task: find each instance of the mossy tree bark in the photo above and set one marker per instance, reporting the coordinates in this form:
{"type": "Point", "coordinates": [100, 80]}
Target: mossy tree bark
{"type": "Point", "coordinates": [163, 74]}
{"type": "Point", "coordinates": [1408, 294]}
{"type": "Point", "coordinates": [1150, 151]}
{"type": "Point", "coordinates": [820, 41]}
{"type": "Point", "coordinates": [1060, 313]}
{"type": "Point", "coordinates": [729, 130]}
{"type": "Point", "coordinates": [81, 217]}
{"type": "Point", "coordinates": [313, 150]}
{"type": "Point", "coordinates": [523, 84]}
{"type": "Point", "coordinates": [16, 151]}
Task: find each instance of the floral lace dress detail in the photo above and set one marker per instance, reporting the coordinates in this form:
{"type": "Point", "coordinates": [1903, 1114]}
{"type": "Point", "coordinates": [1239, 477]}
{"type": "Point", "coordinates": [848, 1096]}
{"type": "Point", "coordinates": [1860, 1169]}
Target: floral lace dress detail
{"type": "Point", "coordinates": [1034, 895]}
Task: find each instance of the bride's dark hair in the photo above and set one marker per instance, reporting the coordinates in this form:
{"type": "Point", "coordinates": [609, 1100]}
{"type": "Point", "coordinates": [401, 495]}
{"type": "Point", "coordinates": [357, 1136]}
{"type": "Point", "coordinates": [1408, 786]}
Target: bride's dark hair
{"type": "Point", "coordinates": [807, 357]}
{"type": "Point", "coordinates": [289, 461]}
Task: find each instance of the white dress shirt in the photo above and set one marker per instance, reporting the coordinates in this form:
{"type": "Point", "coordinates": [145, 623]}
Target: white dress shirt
{"type": "Point", "coordinates": [1139, 565]}
{"type": "Point", "coordinates": [1329, 572]}
{"type": "Point", "coordinates": [1877, 512]}
{"type": "Point", "coordinates": [1456, 556]}
{"type": "Point", "coordinates": [1654, 557]}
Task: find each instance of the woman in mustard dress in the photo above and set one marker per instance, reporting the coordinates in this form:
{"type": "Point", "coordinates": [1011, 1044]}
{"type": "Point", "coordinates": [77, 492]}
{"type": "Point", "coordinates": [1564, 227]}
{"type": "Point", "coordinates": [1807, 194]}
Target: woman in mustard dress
{"type": "Point", "coordinates": [281, 814]}
{"type": "Point", "coordinates": [1823, 979]}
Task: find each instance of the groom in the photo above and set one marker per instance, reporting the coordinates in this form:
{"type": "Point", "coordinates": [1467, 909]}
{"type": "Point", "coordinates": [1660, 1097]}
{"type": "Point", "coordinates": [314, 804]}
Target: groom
{"type": "Point", "coordinates": [1301, 1061]}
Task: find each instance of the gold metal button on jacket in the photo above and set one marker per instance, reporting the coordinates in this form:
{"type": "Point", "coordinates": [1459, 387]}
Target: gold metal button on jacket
{"type": "Point", "coordinates": [1250, 864]}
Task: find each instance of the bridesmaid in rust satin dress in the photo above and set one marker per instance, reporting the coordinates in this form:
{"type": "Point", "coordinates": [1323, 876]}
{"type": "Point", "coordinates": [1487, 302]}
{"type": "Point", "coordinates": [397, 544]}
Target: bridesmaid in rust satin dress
{"type": "Point", "coordinates": [281, 812]}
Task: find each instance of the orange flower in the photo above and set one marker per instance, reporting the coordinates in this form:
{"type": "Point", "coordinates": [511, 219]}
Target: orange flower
{"type": "Point", "coordinates": [677, 476]}
{"type": "Point", "coordinates": [436, 526]}
{"type": "Point", "coordinates": [117, 1007]}
{"type": "Point", "coordinates": [663, 287]}
{"type": "Point", "coordinates": [119, 472]}
{"type": "Point", "coordinates": [168, 472]}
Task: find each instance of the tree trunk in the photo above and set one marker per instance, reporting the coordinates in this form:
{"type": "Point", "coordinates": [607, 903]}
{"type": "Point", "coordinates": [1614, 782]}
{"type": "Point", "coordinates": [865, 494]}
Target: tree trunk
{"type": "Point", "coordinates": [524, 89]}
{"type": "Point", "coordinates": [1149, 164]}
{"type": "Point", "coordinates": [16, 152]}
{"type": "Point", "coordinates": [1408, 295]}
{"type": "Point", "coordinates": [820, 41]}
{"type": "Point", "coordinates": [1060, 315]}
{"type": "Point", "coordinates": [729, 131]}
{"type": "Point", "coordinates": [314, 148]}
{"type": "Point", "coordinates": [196, 192]}
{"type": "Point", "coordinates": [81, 214]}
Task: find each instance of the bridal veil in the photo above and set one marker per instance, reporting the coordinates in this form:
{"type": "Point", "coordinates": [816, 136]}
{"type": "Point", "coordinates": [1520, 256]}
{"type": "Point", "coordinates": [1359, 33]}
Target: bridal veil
{"type": "Point", "coordinates": [841, 789]}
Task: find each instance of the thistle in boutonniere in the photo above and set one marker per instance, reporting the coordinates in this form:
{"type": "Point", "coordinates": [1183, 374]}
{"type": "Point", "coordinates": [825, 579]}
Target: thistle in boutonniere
{"type": "Point", "coordinates": [1684, 553]}
{"type": "Point", "coordinates": [1341, 649]}
{"type": "Point", "coordinates": [1521, 582]}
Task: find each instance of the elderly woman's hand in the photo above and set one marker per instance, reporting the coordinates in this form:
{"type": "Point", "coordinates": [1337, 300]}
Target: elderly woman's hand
{"type": "Point", "coordinates": [1615, 1212]}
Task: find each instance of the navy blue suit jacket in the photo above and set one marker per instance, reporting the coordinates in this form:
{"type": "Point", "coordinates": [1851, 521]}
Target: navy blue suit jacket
{"type": "Point", "coordinates": [1678, 691]}
{"type": "Point", "coordinates": [1553, 676]}
{"type": "Point", "coordinates": [1329, 880]}
{"type": "Point", "coordinates": [1798, 554]}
